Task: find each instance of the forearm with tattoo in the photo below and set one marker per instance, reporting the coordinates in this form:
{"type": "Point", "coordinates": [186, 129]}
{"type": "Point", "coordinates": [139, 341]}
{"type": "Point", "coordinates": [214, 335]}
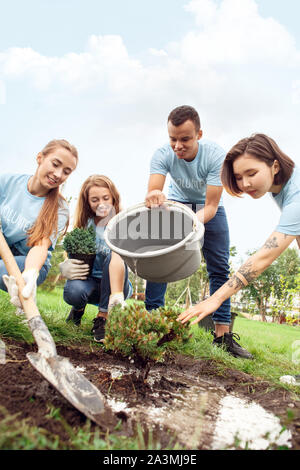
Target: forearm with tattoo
{"type": "Point", "coordinates": [246, 273]}
{"type": "Point", "coordinates": [271, 243]}
{"type": "Point", "coordinates": [235, 283]}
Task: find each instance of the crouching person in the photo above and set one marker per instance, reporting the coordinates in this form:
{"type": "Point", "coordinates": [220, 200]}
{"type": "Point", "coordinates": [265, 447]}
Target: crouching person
{"type": "Point", "coordinates": [33, 215]}
{"type": "Point", "coordinates": [108, 284]}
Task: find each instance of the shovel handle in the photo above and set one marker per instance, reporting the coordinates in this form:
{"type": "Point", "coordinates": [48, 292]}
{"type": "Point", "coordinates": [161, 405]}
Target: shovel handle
{"type": "Point", "coordinates": [12, 268]}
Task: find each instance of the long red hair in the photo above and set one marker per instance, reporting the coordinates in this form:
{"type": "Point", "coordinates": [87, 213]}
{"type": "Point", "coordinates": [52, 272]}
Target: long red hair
{"type": "Point", "coordinates": [47, 220]}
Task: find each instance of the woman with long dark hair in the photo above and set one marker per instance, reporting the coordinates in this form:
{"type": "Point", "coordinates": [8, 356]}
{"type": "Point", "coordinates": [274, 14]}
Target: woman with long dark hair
{"type": "Point", "coordinates": [256, 166]}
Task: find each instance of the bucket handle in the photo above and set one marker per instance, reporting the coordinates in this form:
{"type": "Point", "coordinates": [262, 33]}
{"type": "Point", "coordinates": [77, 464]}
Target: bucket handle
{"type": "Point", "coordinates": [196, 222]}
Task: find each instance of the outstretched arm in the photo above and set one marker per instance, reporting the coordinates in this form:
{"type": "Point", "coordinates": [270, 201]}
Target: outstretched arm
{"type": "Point", "coordinates": [249, 271]}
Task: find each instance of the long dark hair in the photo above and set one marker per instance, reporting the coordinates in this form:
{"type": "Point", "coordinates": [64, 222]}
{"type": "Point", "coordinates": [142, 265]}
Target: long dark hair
{"type": "Point", "coordinates": [264, 149]}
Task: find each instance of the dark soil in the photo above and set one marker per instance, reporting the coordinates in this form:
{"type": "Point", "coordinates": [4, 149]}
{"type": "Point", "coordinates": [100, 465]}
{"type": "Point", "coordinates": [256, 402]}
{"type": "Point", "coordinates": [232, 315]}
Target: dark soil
{"type": "Point", "coordinates": [24, 391]}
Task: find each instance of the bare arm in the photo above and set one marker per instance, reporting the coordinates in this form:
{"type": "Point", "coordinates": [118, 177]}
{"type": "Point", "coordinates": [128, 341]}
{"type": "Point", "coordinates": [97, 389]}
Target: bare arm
{"type": "Point", "coordinates": [213, 196]}
{"type": "Point", "coordinates": [155, 196]}
{"type": "Point", "coordinates": [37, 255]}
{"type": "Point", "coordinates": [249, 271]}
{"type": "Point", "coordinates": [116, 273]}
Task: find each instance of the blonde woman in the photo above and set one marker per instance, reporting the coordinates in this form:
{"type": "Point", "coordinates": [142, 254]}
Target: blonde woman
{"type": "Point", "coordinates": [33, 214]}
{"type": "Point", "coordinates": [107, 284]}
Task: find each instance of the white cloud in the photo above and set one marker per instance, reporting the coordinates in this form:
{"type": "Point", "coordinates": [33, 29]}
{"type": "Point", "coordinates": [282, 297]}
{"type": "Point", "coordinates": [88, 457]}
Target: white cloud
{"type": "Point", "coordinates": [240, 70]}
{"type": "Point", "coordinates": [232, 55]}
{"type": "Point", "coordinates": [2, 92]}
{"type": "Point", "coordinates": [296, 92]}
{"type": "Point", "coordinates": [157, 52]}
{"type": "Point", "coordinates": [235, 33]}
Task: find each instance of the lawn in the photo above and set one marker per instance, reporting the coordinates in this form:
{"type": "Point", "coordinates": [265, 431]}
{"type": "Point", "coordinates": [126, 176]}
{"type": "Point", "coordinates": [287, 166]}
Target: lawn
{"type": "Point", "coordinates": [270, 344]}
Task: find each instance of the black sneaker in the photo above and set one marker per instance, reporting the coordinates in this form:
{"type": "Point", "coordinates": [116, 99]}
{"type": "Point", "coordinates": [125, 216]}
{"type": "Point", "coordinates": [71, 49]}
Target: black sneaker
{"type": "Point", "coordinates": [98, 329]}
{"type": "Point", "coordinates": [231, 346]}
{"type": "Point", "coordinates": [75, 316]}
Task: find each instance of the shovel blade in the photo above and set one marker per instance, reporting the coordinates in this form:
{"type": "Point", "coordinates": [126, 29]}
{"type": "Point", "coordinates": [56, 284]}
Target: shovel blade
{"type": "Point", "coordinates": [70, 383]}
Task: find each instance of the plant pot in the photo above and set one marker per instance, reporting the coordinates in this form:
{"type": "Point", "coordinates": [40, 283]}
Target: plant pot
{"type": "Point", "coordinates": [87, 258]}
{"type": "Point", "coordinates": [208, 324]}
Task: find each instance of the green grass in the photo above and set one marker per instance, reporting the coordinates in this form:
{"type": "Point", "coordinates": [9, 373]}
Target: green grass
{"type": "Point", "coordinates": [270, 344]}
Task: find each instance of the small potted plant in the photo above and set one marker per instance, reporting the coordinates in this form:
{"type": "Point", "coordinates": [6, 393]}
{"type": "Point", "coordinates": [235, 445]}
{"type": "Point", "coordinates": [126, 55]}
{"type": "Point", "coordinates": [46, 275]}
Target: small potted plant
{"type": "Point", "coordinates": [80, 244]}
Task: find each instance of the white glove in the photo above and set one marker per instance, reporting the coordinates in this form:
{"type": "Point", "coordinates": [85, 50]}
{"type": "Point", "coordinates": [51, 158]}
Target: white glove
{"type": "Point", "coordinates": [30, 276]}
{"type": "Point", "coordinates": [74, 269]}
{"type": "Point", "coordinates": [12, 289]}
{"type": "Point", "coordinates": [116, 299]}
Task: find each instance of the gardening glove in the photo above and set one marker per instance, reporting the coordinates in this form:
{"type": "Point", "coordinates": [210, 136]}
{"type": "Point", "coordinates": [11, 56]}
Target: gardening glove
{"type": "Point", "coordinates": [116, 299]}
{"type": "Point", "coordinates": [30, 277]}
{"type": "Point", "coordinates": [74, 269]}
{"type": "Point", "coordinates": [12, 290]}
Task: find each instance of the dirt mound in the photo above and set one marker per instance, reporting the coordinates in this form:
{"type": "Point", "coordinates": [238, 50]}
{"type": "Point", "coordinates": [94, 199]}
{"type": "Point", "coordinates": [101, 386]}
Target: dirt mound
{"type": "Point", "coordinates": [188, 390]}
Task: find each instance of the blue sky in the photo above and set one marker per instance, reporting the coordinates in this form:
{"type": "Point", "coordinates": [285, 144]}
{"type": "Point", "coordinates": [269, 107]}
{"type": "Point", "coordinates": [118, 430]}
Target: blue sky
{"type": "Point", "coordinates": [105, 75]}
{"type": "Point", "coordinates": [60, 26]}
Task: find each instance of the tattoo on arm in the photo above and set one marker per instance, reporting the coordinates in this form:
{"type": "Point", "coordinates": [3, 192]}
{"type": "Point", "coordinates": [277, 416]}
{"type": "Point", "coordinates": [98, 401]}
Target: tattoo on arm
{"type": "Point", "coordinates": [235, 282]}
{"type": "Point", "coordinates": [247, 271]}
{"type": "Point", "coordinates": [271, 243]}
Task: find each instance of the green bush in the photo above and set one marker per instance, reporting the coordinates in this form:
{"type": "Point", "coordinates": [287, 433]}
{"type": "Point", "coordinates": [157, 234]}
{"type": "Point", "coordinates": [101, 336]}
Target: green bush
{"type": "Point", "coordinates": [133, 332]}
{"type": "Point", "coordinates": [80, 241]}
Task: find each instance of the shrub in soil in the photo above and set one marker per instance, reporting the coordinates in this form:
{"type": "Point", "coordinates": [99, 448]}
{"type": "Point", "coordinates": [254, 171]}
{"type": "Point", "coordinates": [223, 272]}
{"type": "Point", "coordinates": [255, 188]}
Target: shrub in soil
{"type": "Point", "coordinates": [144, 337]}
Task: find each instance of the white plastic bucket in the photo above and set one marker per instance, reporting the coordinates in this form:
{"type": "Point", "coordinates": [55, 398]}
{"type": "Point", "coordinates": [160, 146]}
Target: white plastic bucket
{"type": "Point", "coordinates": [159, 245]}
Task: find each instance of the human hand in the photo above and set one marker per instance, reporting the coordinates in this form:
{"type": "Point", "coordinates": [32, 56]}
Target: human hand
{"type": "Point", "coordinates": [30, 276]}
{"type": "Point", "coordinates": [116, 299]}
{"type": "Point", "coordinates": [12, 289]}
{"type": "Point", "coordinates": [74, 269]}
{"type": "Point", "coordinates": [200, 311]}
{"type": "Point", "coordinates": [155, 198]}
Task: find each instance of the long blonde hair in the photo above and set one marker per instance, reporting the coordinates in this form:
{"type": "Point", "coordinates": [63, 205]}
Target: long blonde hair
{"type": "Point", "coordinates": [47, 220]}
{"type": "Point", "coordinates": [83, 211]}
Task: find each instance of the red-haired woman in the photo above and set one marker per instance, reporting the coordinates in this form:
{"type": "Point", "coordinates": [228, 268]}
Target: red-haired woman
{"type": "Point", "coordinates": [33, 214]}
{"type": "Point", "coordinates": [256, 166]}
{"type": "Point", "coordinates": [107, 284]}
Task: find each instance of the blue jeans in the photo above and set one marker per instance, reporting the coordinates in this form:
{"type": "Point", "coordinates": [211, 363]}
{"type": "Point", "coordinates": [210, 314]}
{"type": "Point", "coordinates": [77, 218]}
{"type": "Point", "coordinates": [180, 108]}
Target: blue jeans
{"type": "Point", "coordinates": [216, 254]}
{"type": "Point", "coordinates": [20, 259]}
{"type": "Point", "coordinates": [95, 291]}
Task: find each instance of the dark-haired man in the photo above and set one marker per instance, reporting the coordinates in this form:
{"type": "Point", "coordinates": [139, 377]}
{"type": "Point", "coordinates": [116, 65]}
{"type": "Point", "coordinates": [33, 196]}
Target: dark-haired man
{"type": "Point", "coordinates": [194, 166]}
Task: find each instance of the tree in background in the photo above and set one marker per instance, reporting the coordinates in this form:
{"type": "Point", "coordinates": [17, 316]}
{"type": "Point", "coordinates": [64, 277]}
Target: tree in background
{"type": "Point", "coordinates": [198, 284]}
{"type": "Point", "coordinates": [278, 283]}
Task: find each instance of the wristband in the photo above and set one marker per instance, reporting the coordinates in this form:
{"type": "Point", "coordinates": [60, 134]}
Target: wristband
{"type": "Point", "coordinates": [241, 278]}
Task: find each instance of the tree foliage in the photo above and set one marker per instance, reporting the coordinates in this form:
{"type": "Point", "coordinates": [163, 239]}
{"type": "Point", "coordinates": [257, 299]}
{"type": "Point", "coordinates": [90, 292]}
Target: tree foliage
{"type": "Point", "coordinates": [276, 285]}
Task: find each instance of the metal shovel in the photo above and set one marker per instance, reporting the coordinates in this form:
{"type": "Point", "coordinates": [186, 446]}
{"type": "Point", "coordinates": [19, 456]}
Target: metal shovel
{"type": "Point", "coordinates": [56, 369]}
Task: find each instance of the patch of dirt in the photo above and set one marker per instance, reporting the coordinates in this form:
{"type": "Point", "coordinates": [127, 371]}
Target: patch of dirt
{"type": "Point", "coordinates": [179, 401]}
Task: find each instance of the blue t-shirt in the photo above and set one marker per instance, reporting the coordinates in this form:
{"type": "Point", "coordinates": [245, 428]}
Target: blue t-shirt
{"type": "Point", "coordinates": [190, 179]}
{"type": "Point", "coordinates": [19, 210]}
{"type": "Point", "coordinates": [288, 201]}
{"type": "Point", "coordinates": [102, 249]}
